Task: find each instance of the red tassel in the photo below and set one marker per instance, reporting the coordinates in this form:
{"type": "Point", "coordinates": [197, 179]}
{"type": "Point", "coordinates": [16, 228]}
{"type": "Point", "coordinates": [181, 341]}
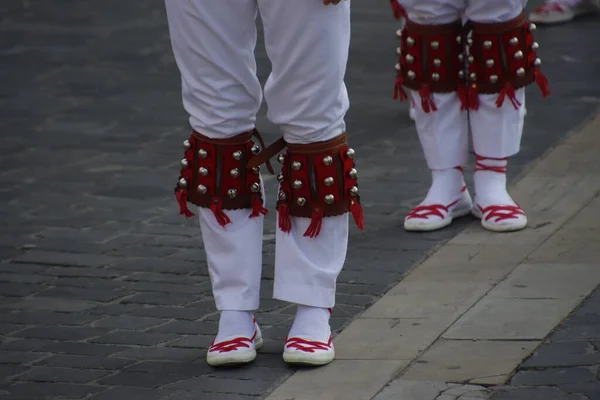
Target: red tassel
{"type": "Point", "coordinates": [463, 97]}
{"type": "Point", "coordinates": [215, 207]}
{"type": "Point", "coordinates": [542, 82]}
{"type": "Point", "coordinates": [426, 100]}
{"type": "Point", "coordinates": [399, 93]}
{"type": "Point", "coordinates": [181, 196]}
{"type": "Point", "coordinates": [257, 206]}
{"type": "Point", "coordinates": [285, 223]}
{"type": "Point", "coordinates": [509, 91]}
{"type": "Point", "coordinates": [357, 213]}
{"type": "Point", "coordinates": [316, 222]}
{"type": "Point", "coordinates": [399, 11]}
{"type": "Point", "coordinates": [473, 97]}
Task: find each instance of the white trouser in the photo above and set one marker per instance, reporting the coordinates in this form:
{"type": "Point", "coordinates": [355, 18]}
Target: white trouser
{"type": "Point", "coordinates": [444, 133]}
{"type": "Point", "coordinates": [307, 43]}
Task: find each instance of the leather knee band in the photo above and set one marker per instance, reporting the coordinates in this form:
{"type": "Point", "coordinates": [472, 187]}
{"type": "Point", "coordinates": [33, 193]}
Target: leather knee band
{"type": "Point", "coordinates": [502, 58]}
{"type": "Point", "coordinates": [317, 180]}
{"type": "Point", "coordinates": [430, 60]}
{"type": "Point", "coordinates": [214, 175]}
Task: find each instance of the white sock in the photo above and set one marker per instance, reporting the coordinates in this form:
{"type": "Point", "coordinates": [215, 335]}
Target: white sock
{"type": "Point", "coordinates": [490, 186]}
{"type": "Point", "coordinates": [445, 188]}
{"type": "Point", "coordinates": [235, 323]}
{"type": "Point", "coordinates": [311, 322]}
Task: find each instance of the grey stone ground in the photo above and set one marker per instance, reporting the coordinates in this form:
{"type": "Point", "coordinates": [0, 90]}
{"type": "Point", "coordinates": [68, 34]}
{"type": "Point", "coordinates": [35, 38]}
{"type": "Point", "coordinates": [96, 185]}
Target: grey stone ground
{"type": "Point", "coordinates": [567, 365]}
{"type": "Point", "coordinates": [104, 292]}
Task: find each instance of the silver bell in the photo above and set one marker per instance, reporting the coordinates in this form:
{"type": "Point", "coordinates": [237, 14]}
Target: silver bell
{"type": "Point", "coordinates": [354, 191]}
{"type": "Point", "coordinates": [470, 59]}
{"type": "Point", "coordinates": [297, 184]}
{"type": "Point", "coordinates": [237, 155]}
{"type": "Point", "coordinates": [234, 173]}
{"type": "Point", "coordinates": [203, 171]}
{"type": "Point", "coordinates": [459, 39]}
{"type": "Point", "coordinates": [329, 199]}
{"type": "Point", "coordinates": [473, 76]}
{"type": "Point", "coordinates": [282, 196]}
{"type": "Point", "coordinates": [232, 193]}
{"type": "Point", "coordinates": [327, 160]}
{"type": "Point", "coordinates": [399, 33]}
{"type": "Point", "coordinates": [255, 188]}
{"type": "Point", "coordinates": [532, 27]}
{"type": "Point", "coordinates": [461, 57]}
{"type": "Point", "coordinates": [435, 77]}
{"type": "Point", "coordinates": [461, 74]}
{"type": "Point", "coordinates": [182, 183]}
{"type": "Point", "coordinates": [296, 165]}
{"type": "Point", "coordinates": [535, 46]}
{"type": "Point", "coordinates": [518, 55]}
{"type": "Point", "coordinates": [397, 67]}
{"type": "Point", "coordinates": [280, 177]}
{"type": "Point", "coordinates": [255, 149]}
{"type": "Point", "coordinates": [437, 62]}
{"type": "Point", "coordinates": [513, 41]}
{"type": "Point", "coordinates": [301, 201]}
{"type": "Point", "coordinates": [281, 158]}
{"type": "Point", "coordinates": [398, 50]}
{"type": "Point", "coordinates": [411, 75]}
{"type": "Point", "coordinates": [353, 173]}
{"type": "Point", "coordinates": [487, 44]}
{"type": "Point", "coordinates": [410, 59]}
{"type": "Point", "coordinates": [410, 41]}
{"type": "Point", "coordinates": [521, 72]}
{"type": "Point", "coordinates": [256, 170]}
{"type": "Point", "coordinates": [493, 78]}
{"type": "Point", "coordinates": [350, 153]}
{"type": "Point", "coordinates": [490, 63]}
{"type": "Point", "coordinates": [184, 163]}
{"type": "Point", "coordinates": [202, 189]}
{"type": "Point", "coordinates": [202, 153]}
{"type": "Point", "coordinates": [435, 45]}
{"type": "Point", "coordinates": [537, 62]}
{"type": "Point", "coordinates": [328, 181]}
{"type": "Point", "coordinates": [186, 144]}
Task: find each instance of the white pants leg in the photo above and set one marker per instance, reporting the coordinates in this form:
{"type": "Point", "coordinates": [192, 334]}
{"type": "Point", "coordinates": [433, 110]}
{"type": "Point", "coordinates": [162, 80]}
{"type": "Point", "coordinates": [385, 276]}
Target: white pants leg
{"type": "Point", "coordinates": [496, 131]}
{"type": "Point", "coordinates": [308, 44]}
{"type": "Point", "coordinates": [213, 43]}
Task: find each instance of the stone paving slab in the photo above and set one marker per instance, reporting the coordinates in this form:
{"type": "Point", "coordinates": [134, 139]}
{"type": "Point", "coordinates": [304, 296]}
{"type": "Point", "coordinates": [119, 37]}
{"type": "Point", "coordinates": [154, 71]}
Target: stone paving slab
{"type": "Point", "coordinates": [100, 277]}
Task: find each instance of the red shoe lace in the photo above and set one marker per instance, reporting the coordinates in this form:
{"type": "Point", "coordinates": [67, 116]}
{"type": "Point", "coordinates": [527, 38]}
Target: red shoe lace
{"type": "Point", "coordinates": [232, 345]}
{"type": "Point", "coordinates": [549, 7]}
{"type": "Point", "coordinates": [306, 345]}
{"type": "Point", "coordinates": [501, 213]}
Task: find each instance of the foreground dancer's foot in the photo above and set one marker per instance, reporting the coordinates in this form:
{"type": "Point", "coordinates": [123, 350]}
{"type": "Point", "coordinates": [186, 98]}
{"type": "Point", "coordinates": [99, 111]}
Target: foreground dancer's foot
{"type": "Point", "coordinates": [237, 341]}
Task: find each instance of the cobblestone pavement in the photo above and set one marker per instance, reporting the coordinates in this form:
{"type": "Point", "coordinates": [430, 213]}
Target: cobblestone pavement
{"type": "Point", "coordinates": [567, 365]}
{"type": "Point", "coordinates": [104, 292]}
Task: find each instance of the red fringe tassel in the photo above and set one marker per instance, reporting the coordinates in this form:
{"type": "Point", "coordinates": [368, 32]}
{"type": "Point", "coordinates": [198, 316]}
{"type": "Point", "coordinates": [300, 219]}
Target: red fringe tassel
{"type": "Point", "coordinates": [357, 213]}
{"type": "Point", "coordinates": [464, 98]}
{"type": "Point", "coordinates": [181, 195]}
{"type": "Point", "coordinates": [257, 206]}
{"type": "Point", "coordinates": [399, 93]}
{"type": "Point", "coordinates": [215, 207]}
{"type": "Point", "coordinates": [473, 98]}
{"type": "Point", "coordinates": [509, 91]}
{"type": "Point", "coordinates": [399, 11]}
{"type": "Point", "coordinates": [542, 82]}
{"type": "Point", "coordinates": [316, 222]}
{"type": "Point", "coordinates": [426, 100]}
{"type": "Point", "coordinates": [285, 223]}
